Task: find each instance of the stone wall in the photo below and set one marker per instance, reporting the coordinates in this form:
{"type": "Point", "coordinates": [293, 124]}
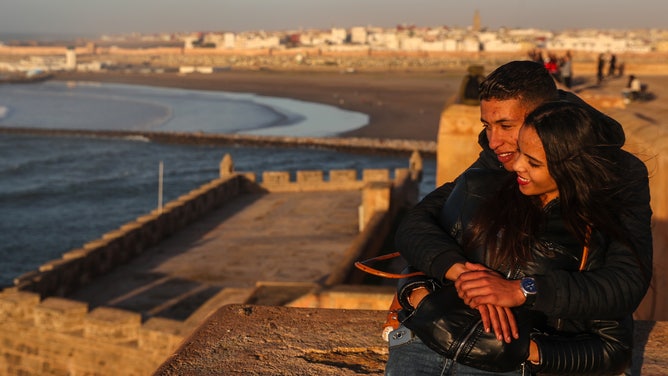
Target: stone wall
{"type": "Point", "coordinates": [60, 337]}
{"type": "Point", "coordinates": [254, 340]}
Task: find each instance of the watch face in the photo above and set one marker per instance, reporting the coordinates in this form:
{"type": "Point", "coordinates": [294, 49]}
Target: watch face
{"type": "Point", "coordinates": [529, 285]}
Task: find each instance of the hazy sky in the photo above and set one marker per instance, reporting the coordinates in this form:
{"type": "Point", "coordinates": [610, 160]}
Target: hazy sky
{"type": "Point", "coordinates": [121, 16]}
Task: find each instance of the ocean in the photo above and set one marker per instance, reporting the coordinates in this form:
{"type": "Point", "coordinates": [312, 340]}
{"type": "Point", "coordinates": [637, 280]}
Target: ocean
{"type": "Point", "coordinates": [57, 193]}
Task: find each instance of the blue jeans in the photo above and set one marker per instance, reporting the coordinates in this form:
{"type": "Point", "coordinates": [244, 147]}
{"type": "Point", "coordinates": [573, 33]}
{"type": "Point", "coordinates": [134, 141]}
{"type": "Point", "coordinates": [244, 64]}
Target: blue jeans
{"type": "Point", "coordinates": [410, 356]}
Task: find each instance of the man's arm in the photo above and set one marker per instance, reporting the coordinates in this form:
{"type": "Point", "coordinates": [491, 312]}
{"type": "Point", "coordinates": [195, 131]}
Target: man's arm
{"type": "Point", "coordinates": [422, 241]}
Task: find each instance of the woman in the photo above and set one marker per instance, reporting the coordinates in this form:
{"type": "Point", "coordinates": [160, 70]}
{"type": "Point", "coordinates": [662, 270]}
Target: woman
{"type": "Point", "coordinates": [564, 197]}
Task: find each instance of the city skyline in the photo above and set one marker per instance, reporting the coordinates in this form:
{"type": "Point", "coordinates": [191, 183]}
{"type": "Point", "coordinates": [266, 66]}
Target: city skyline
{"type": "Point", "coordinates": [152, 16]}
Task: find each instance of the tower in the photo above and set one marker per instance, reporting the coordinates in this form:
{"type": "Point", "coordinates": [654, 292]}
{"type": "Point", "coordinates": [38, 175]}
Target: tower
{"type": "Point", "coordinates": [476, 21]}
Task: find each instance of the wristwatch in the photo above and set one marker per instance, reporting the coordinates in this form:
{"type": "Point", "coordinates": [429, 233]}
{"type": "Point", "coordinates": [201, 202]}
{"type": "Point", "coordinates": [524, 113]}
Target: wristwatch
{"type": "Point", "coordinates": [529, 289]}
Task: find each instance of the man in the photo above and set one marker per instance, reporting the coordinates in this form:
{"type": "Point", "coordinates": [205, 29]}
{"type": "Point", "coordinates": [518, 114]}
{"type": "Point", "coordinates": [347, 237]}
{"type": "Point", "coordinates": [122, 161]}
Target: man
{"type": "Point", "coordinates": [507, 96]}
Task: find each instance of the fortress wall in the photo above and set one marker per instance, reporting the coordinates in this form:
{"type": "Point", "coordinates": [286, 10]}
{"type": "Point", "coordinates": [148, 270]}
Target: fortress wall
{"type": "Point", "coordinates": [61, 337]}
{"type": "Point", "coordinates": [649, 141]}
{"type": "Point", "coordinates": [75, 268]}
{"type": "Point", "coordinates": [44, 334]}
{"type": "Point", "coordinates": [457, 141]}
{"type": "Point", "coordinates": [139, 51]}
{"type": "Point", "coordinates": [346, 144]}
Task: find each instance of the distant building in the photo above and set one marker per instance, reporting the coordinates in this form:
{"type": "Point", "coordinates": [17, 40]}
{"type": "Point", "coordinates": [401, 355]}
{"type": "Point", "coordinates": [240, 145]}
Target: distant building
{"type": "Point", "coordinates": [476, 21]}
{"type": "Point", "coordinates": [70, 59]}
{"type": "Point", "coordinates": [358, 35]}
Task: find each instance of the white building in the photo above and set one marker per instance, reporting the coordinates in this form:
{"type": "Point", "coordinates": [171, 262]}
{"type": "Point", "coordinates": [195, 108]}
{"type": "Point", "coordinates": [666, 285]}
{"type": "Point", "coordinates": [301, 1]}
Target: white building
{"type": "Point", "coordinates": [338, 36]}
{"type": "Point", "coordinates": [358, 35]}
{"type": "Point", "coordinates": [229, 41]}
{"type": "Point", "coordinates": [70, 59]}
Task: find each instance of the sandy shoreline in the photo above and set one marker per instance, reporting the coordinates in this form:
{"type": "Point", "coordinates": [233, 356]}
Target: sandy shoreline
{"type": "Point", "coordinates": [399, 105]}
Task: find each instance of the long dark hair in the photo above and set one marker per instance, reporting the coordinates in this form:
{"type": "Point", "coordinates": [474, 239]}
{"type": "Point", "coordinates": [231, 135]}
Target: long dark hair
{"type": "Point", "coordinates": [584, 167]}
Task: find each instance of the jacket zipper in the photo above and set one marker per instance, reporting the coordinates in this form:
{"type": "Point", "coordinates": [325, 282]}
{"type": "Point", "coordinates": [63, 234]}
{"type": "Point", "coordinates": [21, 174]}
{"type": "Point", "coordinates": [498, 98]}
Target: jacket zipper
{"type": "Point", "coordinates": [466, 339]}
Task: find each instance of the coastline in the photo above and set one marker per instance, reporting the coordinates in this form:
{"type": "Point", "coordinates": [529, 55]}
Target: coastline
{"type": "Point", "coordinates": [403, 105]}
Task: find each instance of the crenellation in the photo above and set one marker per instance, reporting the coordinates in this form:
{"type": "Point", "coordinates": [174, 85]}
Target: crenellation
{"type": "Point", "coordinates": [18, 305]}
{"type": "Point", "coordinates": [310, 177]}
{"type": "Point", "coordinates": [113, 325]}
{"type": "Point", "coordinates": [161, 335]}
{"type": "Point", "coordinates": [60, 315]}
{"type": "Point", "coordinates": [275, 177]}
{"type": "Point", "coordinates": [369, 175]}
{"type": "Point", "coordinates": [342, 176]}
{"type": "Point", "coordinates": [65, 334]}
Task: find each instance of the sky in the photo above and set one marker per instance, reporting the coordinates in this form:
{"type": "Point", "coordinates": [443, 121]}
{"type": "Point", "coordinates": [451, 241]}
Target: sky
{"type": "Point", "coordinates": [155, 16]}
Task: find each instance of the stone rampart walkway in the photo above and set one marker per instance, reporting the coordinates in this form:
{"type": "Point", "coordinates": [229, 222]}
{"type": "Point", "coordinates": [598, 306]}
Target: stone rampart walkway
{"type": "Point", "coordinates": [285, 239]}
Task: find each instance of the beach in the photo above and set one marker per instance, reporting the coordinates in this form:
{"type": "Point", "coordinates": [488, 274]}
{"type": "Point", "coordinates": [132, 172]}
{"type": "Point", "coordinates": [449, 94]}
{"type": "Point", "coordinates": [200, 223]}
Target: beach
{"type": "Point", "coordinates": [400, 105]}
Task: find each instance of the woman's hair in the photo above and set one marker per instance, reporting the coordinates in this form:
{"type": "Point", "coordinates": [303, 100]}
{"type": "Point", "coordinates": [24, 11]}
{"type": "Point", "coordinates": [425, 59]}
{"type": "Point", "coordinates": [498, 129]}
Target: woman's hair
{"type": "Point", "coordinates": [589, 182]}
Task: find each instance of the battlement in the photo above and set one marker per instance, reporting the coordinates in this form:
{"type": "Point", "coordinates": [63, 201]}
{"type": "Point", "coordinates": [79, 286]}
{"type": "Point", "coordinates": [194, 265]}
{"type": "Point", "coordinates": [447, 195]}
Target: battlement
{"type": "Point", "coordinates": [77, 267]}
{"type": "Point", "coordinates": [41, 336]}
{"type": "Point", "coordinates": [45, 332]}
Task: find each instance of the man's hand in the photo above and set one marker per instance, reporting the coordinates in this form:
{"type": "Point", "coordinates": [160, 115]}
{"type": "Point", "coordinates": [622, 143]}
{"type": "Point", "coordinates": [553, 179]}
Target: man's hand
{"type": "Point", "coordinates": [493, 295]}
{"type": "Point", "coordinates": [481, 285]}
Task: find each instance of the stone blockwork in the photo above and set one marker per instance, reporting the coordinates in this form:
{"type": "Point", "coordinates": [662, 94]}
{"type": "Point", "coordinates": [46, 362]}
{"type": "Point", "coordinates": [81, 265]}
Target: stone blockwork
{"type": "Point", "coordinates": [61, 337]}
{"type": "Point", "coordinates": [254, 340]}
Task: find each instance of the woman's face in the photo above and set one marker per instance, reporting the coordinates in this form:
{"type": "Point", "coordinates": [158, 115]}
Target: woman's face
{"type": "Point", "coordinates": [533, 177]}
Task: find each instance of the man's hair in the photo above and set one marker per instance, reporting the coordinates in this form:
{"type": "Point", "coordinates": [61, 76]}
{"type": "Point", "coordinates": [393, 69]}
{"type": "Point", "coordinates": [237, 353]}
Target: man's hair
{"type": "Point", "coordinates": [524, 80]}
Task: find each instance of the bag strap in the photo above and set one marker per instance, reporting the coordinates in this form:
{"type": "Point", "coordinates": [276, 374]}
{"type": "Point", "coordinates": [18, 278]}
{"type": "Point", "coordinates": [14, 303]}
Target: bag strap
{"type": "Point", "coordinates": [362, 265]}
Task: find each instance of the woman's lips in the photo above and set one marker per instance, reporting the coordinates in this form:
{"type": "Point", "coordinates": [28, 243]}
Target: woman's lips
{"type": "Point", "coordinates": [522, 181]}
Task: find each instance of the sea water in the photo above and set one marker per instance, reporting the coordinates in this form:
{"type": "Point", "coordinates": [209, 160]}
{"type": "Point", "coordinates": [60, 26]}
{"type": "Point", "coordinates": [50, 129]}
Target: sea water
{"type": "Point", "coordinates": [57, 193]}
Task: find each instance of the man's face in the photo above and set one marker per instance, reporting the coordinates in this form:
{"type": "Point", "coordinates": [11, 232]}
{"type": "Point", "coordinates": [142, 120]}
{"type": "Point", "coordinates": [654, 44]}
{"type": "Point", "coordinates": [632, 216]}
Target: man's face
{"type": "Point", "coordinates": [502, 120]}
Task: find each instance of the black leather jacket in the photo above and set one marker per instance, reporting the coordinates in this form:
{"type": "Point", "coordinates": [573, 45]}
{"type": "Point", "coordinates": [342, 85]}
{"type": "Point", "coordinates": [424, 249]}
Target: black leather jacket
{"type": "Point", "coordinates": [566, 345]}
{"type": "Point", "coordinates": [614, 289]}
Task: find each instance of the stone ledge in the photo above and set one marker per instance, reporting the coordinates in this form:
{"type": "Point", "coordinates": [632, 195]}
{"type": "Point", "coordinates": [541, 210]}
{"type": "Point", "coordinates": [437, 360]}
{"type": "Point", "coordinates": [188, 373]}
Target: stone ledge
{"type": "Point", "coordinates": [263, 340]}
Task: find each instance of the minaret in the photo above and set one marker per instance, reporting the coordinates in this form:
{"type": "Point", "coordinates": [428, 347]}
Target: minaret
{"type": "Point", "coordinates": [476, 21]}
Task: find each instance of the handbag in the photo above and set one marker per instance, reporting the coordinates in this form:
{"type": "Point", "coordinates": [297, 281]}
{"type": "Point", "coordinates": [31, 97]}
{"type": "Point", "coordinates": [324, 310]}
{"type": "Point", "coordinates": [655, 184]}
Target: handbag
{"type": "Point", "coordinates": [451, 328]}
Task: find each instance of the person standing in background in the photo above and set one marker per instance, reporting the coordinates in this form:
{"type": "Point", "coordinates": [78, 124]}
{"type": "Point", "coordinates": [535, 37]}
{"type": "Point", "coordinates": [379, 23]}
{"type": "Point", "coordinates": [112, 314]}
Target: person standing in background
{"type": "Point", "coordinates": [599, 68]}
{"type": "Point", "coordinates": [567, 70]}
{"type": "Point", "coordinates": [612, 65]}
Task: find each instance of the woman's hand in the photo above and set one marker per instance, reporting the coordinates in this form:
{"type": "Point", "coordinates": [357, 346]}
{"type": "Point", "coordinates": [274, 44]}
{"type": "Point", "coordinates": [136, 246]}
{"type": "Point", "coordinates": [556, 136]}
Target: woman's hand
{"type": "Point", "coordinates": [416, 296]}
{"type": "Point", "coordinates": [484, 289]}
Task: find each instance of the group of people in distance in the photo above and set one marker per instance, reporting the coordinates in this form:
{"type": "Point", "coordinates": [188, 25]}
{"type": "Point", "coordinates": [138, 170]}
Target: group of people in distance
{"type": "Point", "coordinates": [534, 259]}
{"type": "Point", "coordinates": [560, 67]}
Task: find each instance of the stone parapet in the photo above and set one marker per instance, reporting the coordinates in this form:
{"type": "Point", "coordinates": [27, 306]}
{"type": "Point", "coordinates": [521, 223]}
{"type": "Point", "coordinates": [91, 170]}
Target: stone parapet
{"type": "Point", "coordinates": [457, 141]}
{"type": "Point", "coordinates": [259, 340]}
{"type": "Point", "coordinates": [57, 336]}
